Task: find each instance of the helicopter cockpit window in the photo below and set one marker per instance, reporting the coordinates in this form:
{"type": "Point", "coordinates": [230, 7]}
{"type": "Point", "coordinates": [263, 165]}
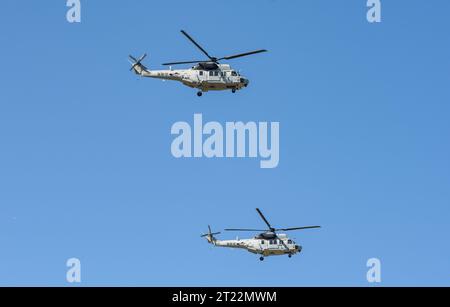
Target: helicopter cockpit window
{"type": "Point", "coordinates": [233, 73]}
{"type": "Point", "coordinates": [289, 241]}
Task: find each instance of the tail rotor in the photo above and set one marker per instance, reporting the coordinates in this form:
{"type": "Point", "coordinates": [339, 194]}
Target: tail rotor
{"type": "Point", "coordinates": [137, 65]}
{"type": "Point", "coordinates": [210, 235]}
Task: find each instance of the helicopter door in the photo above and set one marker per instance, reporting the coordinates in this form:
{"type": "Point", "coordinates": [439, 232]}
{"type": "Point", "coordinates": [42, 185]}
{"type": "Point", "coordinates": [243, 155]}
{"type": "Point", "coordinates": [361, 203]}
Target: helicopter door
{"type": "Point", "coordinates": [273, 244]}
{"type": "Point", "coordinates": [202, 75]}
{"type": "Point", "coordinates": [280, 245]}
{"type": "Point", "coordinates": [214, 76]}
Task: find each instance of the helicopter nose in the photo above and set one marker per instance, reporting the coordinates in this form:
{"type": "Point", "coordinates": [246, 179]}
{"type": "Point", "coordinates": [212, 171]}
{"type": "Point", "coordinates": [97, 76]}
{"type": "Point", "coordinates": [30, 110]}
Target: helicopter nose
{"type": "Point", "coordinates": [245, 81]}
{"type": "Point", "coordinates": [299, 248]}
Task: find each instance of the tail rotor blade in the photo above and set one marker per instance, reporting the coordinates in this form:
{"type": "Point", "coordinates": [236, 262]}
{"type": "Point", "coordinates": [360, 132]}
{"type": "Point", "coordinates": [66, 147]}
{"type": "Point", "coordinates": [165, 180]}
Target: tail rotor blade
{"type": "Point", "coordinates": [137, 62]}
{"type": "Point", "coordinates": [142, 57]}
{"type": "Point", "coordinates": [210, 234]}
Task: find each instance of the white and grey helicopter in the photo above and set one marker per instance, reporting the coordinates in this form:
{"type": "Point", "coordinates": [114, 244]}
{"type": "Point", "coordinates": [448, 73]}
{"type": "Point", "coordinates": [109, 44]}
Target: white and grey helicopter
{"type": "Point", "coordinates": [209, 75]}
{"type": "Point", "coordinates": [268, 243]}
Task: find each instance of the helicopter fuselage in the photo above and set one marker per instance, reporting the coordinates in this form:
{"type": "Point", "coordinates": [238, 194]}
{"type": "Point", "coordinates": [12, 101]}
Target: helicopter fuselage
{"type": "Point", "coordinates": [259, 245]}
{"type": "Point", "coordinates": [215, 77]}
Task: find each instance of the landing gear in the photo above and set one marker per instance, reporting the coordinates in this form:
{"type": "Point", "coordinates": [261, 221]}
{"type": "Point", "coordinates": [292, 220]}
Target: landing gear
{"type": "Point", "coordinates": [290, 255]}
{"type": "Point", "coordinates": [261, 258]}
{"type": "Point", "coordinates": [199, 93]}
{"type": "Point", "coordinates": [233, 90]}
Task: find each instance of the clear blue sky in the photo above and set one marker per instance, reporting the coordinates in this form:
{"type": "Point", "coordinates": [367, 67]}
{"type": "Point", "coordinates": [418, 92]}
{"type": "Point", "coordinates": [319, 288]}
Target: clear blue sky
{"type": "Point", "coordinates": [85, 163]}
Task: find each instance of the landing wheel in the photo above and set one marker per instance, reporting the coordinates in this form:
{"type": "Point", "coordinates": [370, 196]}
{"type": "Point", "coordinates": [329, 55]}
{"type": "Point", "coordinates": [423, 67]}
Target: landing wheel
{"type": "Point", "coordinates": [199, 94]}
{"type": "Point", "coordinates": [290, 256]}
{"type": "Point", "coordinates": [261, 258]}
{"type": "Point", "coordinates": [233, 90]}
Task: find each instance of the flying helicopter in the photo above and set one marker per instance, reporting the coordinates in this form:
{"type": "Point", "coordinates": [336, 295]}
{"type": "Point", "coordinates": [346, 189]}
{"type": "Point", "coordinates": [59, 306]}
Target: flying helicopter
{"type": "Point", "coordinates": [267, 243]}
{"type": "Point", "coordinates": [205, 75]}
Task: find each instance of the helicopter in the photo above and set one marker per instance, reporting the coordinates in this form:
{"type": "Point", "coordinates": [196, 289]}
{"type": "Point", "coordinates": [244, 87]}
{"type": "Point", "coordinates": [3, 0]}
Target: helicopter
{"type": "Point", "coordinates": [268, 243]}
{"type": "Point", "coordinates": [205, 75]}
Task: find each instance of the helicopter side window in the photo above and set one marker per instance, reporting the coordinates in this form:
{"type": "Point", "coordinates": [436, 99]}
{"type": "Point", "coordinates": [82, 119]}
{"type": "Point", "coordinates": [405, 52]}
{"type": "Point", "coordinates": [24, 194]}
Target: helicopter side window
{"type": "Point", "coordinates": [289, 241]}
{"type": "Point", "coordinates": [233, 73]}
{"type": "Point", "coordinates": [211, 73]}
{"type": "Point", "coordinates": [201, 72]}
{"type": "Point", "coordinates": [262, 241]}
{"type": "Point", "coordinates": [216, 73]}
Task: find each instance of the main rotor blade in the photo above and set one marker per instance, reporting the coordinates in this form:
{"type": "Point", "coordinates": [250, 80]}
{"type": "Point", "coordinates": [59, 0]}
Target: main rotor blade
{"type": "Point", "coordinates": [240, 229]}
{"type": "Point", "coordinates": [242, 54]}
{"type": "Point", "coordinates": [198, 46]}
{"type": "Point", "coordinates": [178, 63]}
{"type": "Point", "coordinates": [297, 228]}
{"type": "Point", "coordinates": [264, 218]}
